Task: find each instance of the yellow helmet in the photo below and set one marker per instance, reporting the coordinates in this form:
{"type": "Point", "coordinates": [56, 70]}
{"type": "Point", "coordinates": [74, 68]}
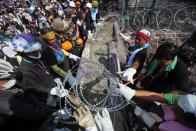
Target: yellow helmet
{"type": "Point", "coordinates": [79, 41]}
{"type": "Point", "coordinates": [95, 3]}
{"type": "Point", "coordinates": [67, 45]}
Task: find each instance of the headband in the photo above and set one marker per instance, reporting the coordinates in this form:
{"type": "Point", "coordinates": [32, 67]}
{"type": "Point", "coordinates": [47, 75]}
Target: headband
{"type": "Point", "coordinates": [49, 35]}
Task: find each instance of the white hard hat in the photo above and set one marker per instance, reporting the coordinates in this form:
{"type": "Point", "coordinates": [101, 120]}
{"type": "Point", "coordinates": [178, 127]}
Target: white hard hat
{"type": "Point", "coordinates": [14, 19]}
{"type": "Point", "coordinates": [60, 12]}
{"type": "Point", "coordinates": [47, 7]}
{"type": "Point", "coordinates": [53, 1]}
{"type": "Point", "coordinates": [145, 34]}
{"type": "Point", "coordinates": [58, 24]}
{"type": "Point", "coordinates": [72, 4]}
{"type": "Point", "coordinates": [89, 5]}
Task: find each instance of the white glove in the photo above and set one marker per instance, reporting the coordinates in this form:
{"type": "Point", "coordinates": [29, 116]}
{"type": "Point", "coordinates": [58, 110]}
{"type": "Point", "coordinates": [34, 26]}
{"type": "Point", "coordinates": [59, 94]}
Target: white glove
{"type": "Point", "coordinates": [90, 35]}
{"type": "Point", "coordinates": [125, 38]}
{"type": "Point", "coordinates": [60, 93]}
{"type": "Point", "coordinates": [84, 117]}
{"type": "Point", "coordinates": [127, 92]}
{"type": "Point", "coordinates": [74, 57]}
{"type": "Point", "coordinates": [71, 80]}
{"type": "Point", "coordinates": [64, 114]}
{"type": "Point", "coordinates": [99, 24]}
{"type": "Point", "coordinates": [128, 74]}
{"type": "Point", "coordinates": [78, 23]}
{"type": "Point", "coordinates": [103, 121]}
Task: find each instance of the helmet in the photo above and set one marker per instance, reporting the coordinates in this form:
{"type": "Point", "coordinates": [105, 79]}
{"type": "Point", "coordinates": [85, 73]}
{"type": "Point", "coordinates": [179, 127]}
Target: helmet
{"type": "Point", "coordinates": [5, 73]}
{"type": "Point", "coordinates": [72, 4]}
{"type": "Point", "coordinates": [58, 24]}
{"type": "Point", "coordinates": [69, 11]}
{"type": "Point", "coordinates": [11, 5]}
{"type": "Point", "coordinates": [41, 19]}
{"type": "Point", "coordinates": [27, 17]}
{"type": "Point", "coordinates": [47, 8]}
{"type": "Point", "coordinates": [5, 68]}
{"type": "Point", "coordinates": [11, 16]}
{"type": "Point", "coordinates": [43, 25]}
{"type": "Point", "coordinates": [89, 5]}
{"type": "Point", "coordinates": [9, 52]}
{"type": "Point", "coordinates": [145, 34]}
{"type": "Point", "coordinates": [53, 1]}
{"type": "Point", "coordinates": [51, 18]}
{"type": "Point", "coordinates": [28, 10]}
{"type": "Point", "coordinates": [79, 41]}
{"type": "Point", "coordinates": [60, 13]}
{"type": "Point", "coordinates": [67, 45]}
{"type": "Point", "coordinates": [95, 3]}
{"type": "Point", "coordinates": [32, 8]}
{"type": "Point", "coordinates": [28, 45]}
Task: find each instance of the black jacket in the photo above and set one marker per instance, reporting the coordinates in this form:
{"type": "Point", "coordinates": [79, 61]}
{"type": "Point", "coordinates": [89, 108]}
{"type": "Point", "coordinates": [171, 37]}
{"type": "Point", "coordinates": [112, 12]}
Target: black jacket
{"type": "Point", "coordinates": [177, 79]}
{"type": "Point", "coordinates": [35, 79]}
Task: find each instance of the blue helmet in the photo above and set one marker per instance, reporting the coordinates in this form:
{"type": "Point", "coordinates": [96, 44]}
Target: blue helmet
{"type": "Point", "coordinates": [28, 45]}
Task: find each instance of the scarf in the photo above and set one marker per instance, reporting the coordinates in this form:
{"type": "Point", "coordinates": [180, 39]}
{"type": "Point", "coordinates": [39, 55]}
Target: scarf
{"type": "Point", "coordinates": [154, 65]}
{"type": "Point", "coordinates": [130, 61]}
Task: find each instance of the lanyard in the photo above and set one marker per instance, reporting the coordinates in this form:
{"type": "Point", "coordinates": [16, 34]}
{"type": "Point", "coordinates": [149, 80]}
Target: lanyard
{"type": "Point", "coordinates": [39, 64]}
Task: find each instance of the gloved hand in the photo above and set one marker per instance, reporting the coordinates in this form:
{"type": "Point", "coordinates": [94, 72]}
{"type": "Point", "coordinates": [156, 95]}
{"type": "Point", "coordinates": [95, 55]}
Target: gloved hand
{"type": "Point", "coordinates": [74, 57]}
{"type": "Point", "coordinates": [128, 74]}
{"type": "Point", "coordinates": [59, 92]}
{"type": "Point", "coordinates": [103, 121]}
{"type": "Point", "coordinates": [99, 24]}
{"type": "Point", "coordinates": [78, 23]}
{"type": "Point", "coordinates": [64, 114]}
{"type": "Point", "coordinates": [125, 38]}
{"type": "Point", "coordinates": [127, 92]}
{"type": "Point", "coordinates": [90, 35]}
{"type": "Point", "coordinates": [84, 117]}
{"type": "Point", "coordinates": [71, 79]}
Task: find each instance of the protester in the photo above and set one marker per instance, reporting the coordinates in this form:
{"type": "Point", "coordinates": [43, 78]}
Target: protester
{"type": "Point", "coordinates": [167, 72]}
{"type": "Point", "coordinates": [54, 56]}
{"type": "Point", "coordinates": [40, 39]}
{"type": "Point", "coordinates": [137, 57]}
{"type": "Point", "coordinates": [181, 116]}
